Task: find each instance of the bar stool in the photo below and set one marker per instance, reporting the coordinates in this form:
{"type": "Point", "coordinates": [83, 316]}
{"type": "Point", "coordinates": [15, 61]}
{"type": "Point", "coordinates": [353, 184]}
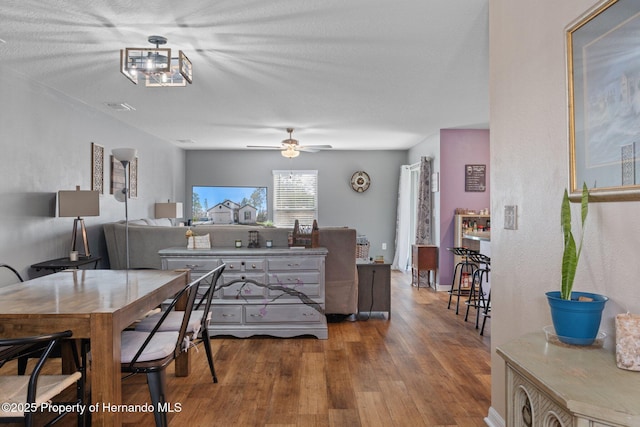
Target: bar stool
{"type": "Point", "coordinates": [486, 313]}
{"type": "Point", "coordinates": [477, 298]}
{"type": "Point", "coordinates": [463, 270]}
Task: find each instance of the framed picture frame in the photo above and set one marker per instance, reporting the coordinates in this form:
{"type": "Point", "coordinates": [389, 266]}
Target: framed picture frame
{"type": "Point", "coordinates": [117, 177]}
{"type": "Point", "coordinates": [97, 168]}
{"type": "Point", "coordinates": [133, 179]}
{"type": "Point", "coordinates": [604, 101]}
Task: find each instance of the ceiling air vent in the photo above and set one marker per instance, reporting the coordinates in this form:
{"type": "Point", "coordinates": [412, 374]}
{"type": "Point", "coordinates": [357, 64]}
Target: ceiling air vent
{"type": "Point", "coordinates": [185, 141]}
{"type": "Point", "coordinates": [119, 106]}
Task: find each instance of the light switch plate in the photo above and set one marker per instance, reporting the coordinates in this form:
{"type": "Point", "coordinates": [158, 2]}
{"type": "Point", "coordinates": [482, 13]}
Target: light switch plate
{"type": "Point", "coordinates": [510, 217]}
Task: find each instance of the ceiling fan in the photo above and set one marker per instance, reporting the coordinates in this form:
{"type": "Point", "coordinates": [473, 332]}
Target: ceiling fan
{"type": "Point", "coordinates": [290, 147]}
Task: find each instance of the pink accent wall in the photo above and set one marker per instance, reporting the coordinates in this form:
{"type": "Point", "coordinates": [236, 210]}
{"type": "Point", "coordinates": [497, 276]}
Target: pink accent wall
{"type": "Point", "coordinates": [459, 147]}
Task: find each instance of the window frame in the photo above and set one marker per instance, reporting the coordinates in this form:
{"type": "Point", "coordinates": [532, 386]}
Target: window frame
{"type": "Point", "coordinates": [305, 212]}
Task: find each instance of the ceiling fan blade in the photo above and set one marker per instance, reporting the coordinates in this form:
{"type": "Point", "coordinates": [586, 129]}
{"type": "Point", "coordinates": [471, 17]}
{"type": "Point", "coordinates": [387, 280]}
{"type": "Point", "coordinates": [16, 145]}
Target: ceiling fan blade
{"type": "Point", "coordinates": [313, 148]}
{"type": "Point", "coordinates": [265, 147]}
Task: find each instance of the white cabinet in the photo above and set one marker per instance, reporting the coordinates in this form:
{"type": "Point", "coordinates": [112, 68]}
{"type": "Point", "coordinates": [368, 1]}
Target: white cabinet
{"type": "Point", "coordinates": [277, 292]}
{"type": "Point", "coordinates": [556, 385]}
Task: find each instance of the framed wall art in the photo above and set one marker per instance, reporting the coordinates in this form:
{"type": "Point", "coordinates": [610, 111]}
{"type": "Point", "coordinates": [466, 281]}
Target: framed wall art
{"type": "Point", "coordinates": [97, 168]}
{"type": "Point", "coordinates": [117, 177]}
{"type": "Point", "coordinates": [604, 101]}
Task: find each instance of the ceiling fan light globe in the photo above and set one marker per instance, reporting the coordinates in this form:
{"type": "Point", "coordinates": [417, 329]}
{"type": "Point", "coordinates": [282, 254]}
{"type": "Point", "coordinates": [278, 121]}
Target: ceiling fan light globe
{"type": "Point", "coordinates": [290, 153]}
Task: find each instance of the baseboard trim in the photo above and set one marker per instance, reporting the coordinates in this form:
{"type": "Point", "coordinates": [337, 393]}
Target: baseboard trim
{"type": "Point", "coordinates": [494, 419]}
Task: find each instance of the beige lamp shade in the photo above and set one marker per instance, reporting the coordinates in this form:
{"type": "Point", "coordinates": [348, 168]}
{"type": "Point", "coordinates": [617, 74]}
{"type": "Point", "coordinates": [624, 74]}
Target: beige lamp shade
{"type": "Point", "coordinates": [169, 210]}
{"type": "Point", "coordinates": [78, 203]}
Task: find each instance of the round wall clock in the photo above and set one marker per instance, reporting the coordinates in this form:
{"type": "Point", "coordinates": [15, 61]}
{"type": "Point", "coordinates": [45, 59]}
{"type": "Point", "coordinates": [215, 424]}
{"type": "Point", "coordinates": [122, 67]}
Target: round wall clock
{"type": "Point", "coordinates": [360, 181]}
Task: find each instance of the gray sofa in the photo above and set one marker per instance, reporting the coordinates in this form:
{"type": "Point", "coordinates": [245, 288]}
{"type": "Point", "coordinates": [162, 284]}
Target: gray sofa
{"type": "Point", "coordinates": [147, 237]}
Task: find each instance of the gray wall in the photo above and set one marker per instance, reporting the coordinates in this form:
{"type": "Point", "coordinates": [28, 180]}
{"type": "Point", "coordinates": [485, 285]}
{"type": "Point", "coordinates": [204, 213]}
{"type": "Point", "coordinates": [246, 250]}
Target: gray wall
{"type": "Point", "coordinates": [46, 146]}
{"type": "Point", "coordinates": [372, 213]}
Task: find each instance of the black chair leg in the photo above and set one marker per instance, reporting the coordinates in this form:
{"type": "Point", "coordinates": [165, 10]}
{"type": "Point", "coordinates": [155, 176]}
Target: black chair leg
{"type": "Point", "coordinates": [486, 314]}
{"type": "Point", "coordinates": [157, 381]}
{"type": "Point", "coordinates": [207, 348]}
{"type": "Point", "coordinates": [22, 365]}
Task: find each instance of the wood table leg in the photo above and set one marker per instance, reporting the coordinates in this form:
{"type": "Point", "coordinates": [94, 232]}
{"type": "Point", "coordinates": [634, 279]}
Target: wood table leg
{"type": "Point", "coordinates": [183, 365]}
{"type": "Point", "coordinates": [105, 370]}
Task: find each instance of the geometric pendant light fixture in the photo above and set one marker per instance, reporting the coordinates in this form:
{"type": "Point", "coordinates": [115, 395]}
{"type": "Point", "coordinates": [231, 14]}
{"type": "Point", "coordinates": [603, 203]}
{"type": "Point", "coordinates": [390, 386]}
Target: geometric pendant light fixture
{"type": "Point", "coordinates": [156, 65]}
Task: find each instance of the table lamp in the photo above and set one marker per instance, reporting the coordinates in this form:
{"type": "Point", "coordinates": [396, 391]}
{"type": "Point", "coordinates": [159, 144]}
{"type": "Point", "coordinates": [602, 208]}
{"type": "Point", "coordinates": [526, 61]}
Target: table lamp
{"type": "Point", "coordinates": [169, 210]}
{"type": "Point", "coordinates": [77, 204]}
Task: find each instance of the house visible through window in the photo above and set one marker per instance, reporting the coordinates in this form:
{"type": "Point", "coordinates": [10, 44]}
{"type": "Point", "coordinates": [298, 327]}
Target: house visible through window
{"type": "Point", "coordinates": [295, 197]}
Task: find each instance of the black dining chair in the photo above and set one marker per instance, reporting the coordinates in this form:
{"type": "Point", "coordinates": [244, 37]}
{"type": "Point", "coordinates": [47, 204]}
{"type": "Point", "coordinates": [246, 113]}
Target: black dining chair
{"type": "Point", "coordinates": [150, 352]}
{"type": "Point", "coordinates": [24, 395]}
{"type": "Point", "coordinates": [9, 275]}
{"type": "Point", "coordinates": [198, 327]}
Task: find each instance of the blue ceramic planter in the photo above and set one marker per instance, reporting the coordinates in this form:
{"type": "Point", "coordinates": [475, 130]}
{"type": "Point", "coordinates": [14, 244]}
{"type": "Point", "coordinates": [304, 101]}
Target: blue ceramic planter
{"type": "Point", "coordinates": [576, 322]}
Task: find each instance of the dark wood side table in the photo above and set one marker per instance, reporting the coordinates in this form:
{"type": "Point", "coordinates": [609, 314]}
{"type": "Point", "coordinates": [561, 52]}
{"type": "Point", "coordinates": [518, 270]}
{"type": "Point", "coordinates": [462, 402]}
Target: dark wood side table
{"type": "Point", "coordinates": [374, 287]}
{"type": "Point", "coordinates": [423, 258]}
{"type": "Point", "coordinates": [65, 263]}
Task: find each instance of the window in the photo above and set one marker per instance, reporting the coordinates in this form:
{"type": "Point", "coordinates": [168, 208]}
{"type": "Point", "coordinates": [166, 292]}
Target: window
{"type": "Point", "coordinates": [295, 197]}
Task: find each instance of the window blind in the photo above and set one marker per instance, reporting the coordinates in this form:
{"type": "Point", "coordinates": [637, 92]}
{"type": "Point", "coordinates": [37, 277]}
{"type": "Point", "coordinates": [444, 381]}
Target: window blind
{"type": "Point", "coordinates": [295, 197]}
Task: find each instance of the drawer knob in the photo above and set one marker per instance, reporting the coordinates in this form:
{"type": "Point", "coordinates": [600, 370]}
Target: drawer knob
{"type": "Point", "coordinates": [256, 315]}
{"type": "Point", "coordinates": [242, 263]}
{"type": "Point", "coordinates": [253, 266]}
{"type": "Point", "coordinates": [228, 315]}
{"type": "Point", "coordinates": [192, 266]}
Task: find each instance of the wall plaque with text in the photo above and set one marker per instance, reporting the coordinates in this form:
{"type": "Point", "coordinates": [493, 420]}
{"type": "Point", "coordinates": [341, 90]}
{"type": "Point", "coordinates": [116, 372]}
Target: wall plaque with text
{"type": "Point", "coordinates": [475, 178]}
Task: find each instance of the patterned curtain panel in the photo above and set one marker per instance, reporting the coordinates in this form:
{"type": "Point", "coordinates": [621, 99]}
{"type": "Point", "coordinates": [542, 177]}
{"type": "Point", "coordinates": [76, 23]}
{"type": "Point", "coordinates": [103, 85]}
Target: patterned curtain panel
{"type": "Point", "coordinates": [424, 235]}
{"type": "Point", "coordinates": [423, 216]}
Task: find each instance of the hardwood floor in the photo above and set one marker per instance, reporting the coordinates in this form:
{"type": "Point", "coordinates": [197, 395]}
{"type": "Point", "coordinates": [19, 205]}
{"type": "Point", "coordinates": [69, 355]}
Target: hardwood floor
{"type": "Point", "coordinates": [424, 367]}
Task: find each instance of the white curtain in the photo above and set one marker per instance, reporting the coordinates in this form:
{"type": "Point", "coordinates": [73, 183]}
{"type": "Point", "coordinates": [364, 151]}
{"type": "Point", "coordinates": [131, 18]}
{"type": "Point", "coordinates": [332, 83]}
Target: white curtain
{"type": "Point", "coordinates": [402, 257]}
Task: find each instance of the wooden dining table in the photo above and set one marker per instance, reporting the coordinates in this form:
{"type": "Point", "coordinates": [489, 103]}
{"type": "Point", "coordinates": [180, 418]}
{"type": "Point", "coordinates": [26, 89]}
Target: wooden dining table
{"type": "Point", "coordinates": [93, 304]}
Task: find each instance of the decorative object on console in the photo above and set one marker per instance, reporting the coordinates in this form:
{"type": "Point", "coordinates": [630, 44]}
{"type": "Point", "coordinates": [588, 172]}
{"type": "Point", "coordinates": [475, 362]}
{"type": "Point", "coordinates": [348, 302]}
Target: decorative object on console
{"type": "Point", "coordinates": [77, 204]}
{"type": "Point", "coordinates": [290, 147]}
{"type": "Point", "coordinates": [360, 181]}
{"type": "Point", "coordinates": [628, 341]}
{"type": "Point", "coordinates": [253, 239]}
{"type": "Point", "coordinates": [305, 235]}
{"type": "Point", "coordinates": [199, 242]}
{"type": "Point", "coordinates": [576, 316]}
{"type": "Point", "coordinates": [171, 210]}
{"type": "Point", "coordinates": [125, 156]}
{"type": "Point", "coordinates": [97, 168]}
{"type": "Point", "coordinates": [156, 65]}
{"type": "Point", "coordinates": [362, 247]}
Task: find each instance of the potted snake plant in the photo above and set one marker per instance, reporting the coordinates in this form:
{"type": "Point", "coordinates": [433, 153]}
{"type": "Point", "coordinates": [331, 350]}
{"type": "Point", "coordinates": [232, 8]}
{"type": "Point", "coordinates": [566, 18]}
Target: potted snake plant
{"type": "Point", "coordinates": [576, 315]}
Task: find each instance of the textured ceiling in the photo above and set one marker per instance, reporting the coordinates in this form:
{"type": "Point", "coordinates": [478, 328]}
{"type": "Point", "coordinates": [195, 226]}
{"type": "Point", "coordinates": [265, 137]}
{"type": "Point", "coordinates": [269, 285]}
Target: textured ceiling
{"type": "Point", "coordinates": [356, 74]}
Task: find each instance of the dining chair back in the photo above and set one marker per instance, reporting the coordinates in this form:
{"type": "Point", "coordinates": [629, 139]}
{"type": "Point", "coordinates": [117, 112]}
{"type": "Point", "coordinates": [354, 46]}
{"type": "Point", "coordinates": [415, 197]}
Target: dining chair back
{"type": "Point", "coordinates": [150, 352]}
{"type": "Point", "coordinates": [23, 395]}
{"type": "Point", "coordinates": [198, 327]}
{"type": "Point", "coordinates": [9, 275]}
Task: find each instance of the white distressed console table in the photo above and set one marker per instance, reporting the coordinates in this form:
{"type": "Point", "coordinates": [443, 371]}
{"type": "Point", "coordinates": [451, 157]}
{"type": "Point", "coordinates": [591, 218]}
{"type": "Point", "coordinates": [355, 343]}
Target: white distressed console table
{"type": "Point", "coordinates": [276, 291]}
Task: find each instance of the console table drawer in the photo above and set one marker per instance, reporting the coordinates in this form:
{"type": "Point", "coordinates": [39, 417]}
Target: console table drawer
{"type": "Point", "coordinates": [295, 278]}
{"type": "Point", "coordinates": [247, 264]}
{"type": "Point", "coordinates": [194, 264]}
{"type": "Point", "coordinates": [275, 313]}
{"type": "Point", "coordinates": [288, 264]}
{"type": "Point", "coordinates": [226, 314]}
{"type": "Point", "coordinates": [312, 290]}
{"type": "Point", "coordinates": [246, 289]}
